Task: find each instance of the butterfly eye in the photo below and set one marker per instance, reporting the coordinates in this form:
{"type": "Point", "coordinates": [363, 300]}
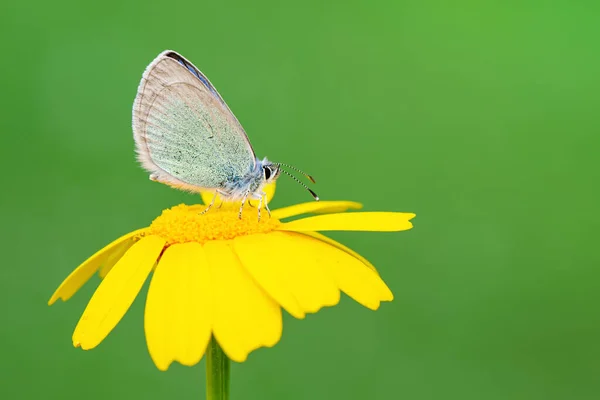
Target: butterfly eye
{"type": "Point", "coordinates": [268, 173]}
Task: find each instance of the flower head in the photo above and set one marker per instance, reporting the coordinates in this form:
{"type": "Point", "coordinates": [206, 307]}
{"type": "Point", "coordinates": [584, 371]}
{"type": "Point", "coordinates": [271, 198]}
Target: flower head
{"type": "Point", "coordinates": [217, 275]}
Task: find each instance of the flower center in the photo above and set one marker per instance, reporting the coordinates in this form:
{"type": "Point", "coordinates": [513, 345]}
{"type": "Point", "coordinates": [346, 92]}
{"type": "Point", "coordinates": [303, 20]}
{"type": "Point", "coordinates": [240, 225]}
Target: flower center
{"type": "Point", "coordinates": [183, 223]}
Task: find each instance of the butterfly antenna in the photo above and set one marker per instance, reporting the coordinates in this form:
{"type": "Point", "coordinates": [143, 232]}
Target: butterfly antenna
{"type": "Point", "coordinates": [310, 178]}
{"type": "Point", "coordinates": [301, 183]}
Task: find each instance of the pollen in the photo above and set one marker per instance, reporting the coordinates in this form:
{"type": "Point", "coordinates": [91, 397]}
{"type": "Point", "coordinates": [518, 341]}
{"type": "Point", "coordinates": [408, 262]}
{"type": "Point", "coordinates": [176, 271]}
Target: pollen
{"type": "Point", "coordinates": [183, 223]}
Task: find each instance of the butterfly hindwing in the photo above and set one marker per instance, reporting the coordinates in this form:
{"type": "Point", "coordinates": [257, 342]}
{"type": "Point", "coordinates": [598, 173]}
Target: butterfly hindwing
{"type": "Point", "coordinates": [185, 134]}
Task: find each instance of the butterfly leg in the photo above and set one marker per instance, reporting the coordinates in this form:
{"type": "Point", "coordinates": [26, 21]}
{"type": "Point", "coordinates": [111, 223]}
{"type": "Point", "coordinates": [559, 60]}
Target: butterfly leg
{"type": "Point", "coordinates": [260, 197]}
{"type": "Point", "coordinates": [222, 201]}
{"type": "Point", "coordinates": [211, 204]}
{"type": "Point", "coordinates": [264, 196]}
{"type": "Point", "coordinates": [223, 196]}
{"type": "Point", "coordinates": [243, 202]}
{"type": "Point", "coordinates": [259, 207]}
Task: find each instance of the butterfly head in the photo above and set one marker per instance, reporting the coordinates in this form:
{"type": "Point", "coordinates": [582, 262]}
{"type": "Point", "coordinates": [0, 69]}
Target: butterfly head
{"type": "Point", "coordinates": [271, 171]}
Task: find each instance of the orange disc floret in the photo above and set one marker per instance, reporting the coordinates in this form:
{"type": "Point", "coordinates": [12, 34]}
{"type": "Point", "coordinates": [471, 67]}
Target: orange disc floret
{"type": "Point", "coordinates": [183, 224]}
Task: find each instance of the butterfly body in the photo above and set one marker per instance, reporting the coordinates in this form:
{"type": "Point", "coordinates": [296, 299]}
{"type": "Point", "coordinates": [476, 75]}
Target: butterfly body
{"type": "Point", "coordinates": [252, 183]}
{"type": "Point", "coordinates": [188, 138]}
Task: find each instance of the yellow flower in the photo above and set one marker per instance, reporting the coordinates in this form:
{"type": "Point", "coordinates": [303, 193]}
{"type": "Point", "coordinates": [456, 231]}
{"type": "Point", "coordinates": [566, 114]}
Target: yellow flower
{"type": "Point", "coordinates": [217, 275]}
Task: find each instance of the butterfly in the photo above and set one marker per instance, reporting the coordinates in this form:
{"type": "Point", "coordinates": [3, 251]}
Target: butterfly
{"type": "Point", "coordinates": [188, 138]}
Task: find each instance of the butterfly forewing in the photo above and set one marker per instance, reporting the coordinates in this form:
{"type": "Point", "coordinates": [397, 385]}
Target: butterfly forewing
{"type": "Point", "coordinates": [185, 134]}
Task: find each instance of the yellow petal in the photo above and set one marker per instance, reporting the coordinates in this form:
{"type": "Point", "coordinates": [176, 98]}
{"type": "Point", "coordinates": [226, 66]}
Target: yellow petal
{"type": "Point", "coordinates": [207, 196]}
{"type": "Point", "coordinates": [287, 271]}
{"type": "Point", "coordinates": [178, 308]}
{"type": "Point", "coordinates": [117, 291]}
{"type": "Point", "coordinates": [319, 207]}
{"type": "Point", "coordinates": [360, 221]}
{"type": "Point", "coordinates": [340, 246]}
{"type": "Point", "coordinates": [85, 271]}
{"type": "Point", "coordinates": [351, 275]}
{"type": "Point", "coordinates": [250, 250]}
{"type": "Point", "coordinates": [244, 316]}
{"type": "Point", "coordinates": [114, 256]}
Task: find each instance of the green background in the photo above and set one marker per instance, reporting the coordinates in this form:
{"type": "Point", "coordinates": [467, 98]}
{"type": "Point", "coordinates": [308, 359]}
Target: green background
{"type": "Point", "coordinates": [481, 117]}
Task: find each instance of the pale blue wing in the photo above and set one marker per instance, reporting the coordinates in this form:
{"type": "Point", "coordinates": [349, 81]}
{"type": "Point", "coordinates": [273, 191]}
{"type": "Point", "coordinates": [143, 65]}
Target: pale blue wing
{"type": "Point", "coordinates": [185, 134]}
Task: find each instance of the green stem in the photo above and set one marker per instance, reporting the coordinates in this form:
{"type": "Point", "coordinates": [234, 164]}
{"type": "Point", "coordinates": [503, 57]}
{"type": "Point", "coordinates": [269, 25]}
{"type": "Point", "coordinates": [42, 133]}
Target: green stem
{"type": "Point", "coordinates": [217, 372]}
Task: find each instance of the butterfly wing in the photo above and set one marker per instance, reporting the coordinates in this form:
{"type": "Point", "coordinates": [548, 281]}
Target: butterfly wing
{"type": "Point", "coordinates": [185, 135]}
